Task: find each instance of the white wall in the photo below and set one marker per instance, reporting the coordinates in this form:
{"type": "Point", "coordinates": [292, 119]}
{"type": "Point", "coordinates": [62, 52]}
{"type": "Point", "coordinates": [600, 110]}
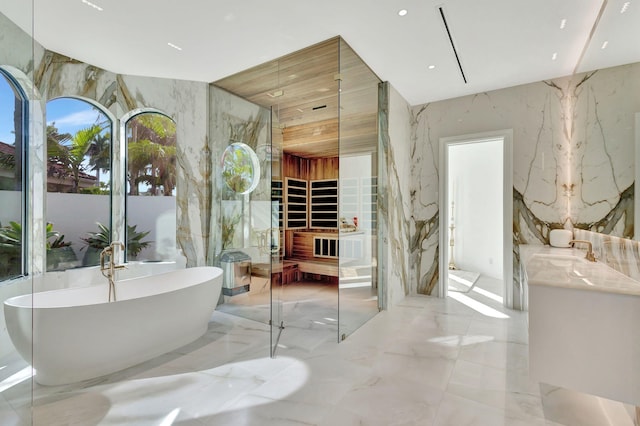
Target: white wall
{"type": "Point", "coordinates": [73, 215]}
{"type": "Point", "coordinates": [11, 206]}
{"type": "Point", "coordinates": [76, 214]}
{"type": "Point", "coordinates": [157, 215]}
{"type": "Point", "coordinates": [476, 187]}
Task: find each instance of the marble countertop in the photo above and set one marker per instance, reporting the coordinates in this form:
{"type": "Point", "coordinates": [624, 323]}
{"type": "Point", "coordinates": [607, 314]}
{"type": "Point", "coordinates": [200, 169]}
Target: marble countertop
{"type": "Point", "coordinates": [567, 267]}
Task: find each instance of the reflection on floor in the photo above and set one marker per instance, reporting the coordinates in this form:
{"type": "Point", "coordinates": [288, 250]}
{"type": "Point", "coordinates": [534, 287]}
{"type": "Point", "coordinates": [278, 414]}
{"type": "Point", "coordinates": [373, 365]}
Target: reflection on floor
{"type": "Point", "coordinates": [462, 281]}
{"type": "Point", "coordinates": [427, 361]}
{"type": "Point", "coordinates": [308, 309]}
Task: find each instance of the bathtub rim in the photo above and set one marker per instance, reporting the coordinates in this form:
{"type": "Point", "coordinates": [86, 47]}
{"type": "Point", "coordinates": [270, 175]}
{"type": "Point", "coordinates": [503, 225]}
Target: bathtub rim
{"type": "Point", "coordinates": [14, 301]}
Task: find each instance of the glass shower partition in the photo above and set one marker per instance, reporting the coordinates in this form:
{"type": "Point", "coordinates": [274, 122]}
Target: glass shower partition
{"type": "Point", "coordinates": [359, 282]}
{"type": "Point", "coordinates": [276, 232]}
{"type": "Point", "coordinates": [21, 198]}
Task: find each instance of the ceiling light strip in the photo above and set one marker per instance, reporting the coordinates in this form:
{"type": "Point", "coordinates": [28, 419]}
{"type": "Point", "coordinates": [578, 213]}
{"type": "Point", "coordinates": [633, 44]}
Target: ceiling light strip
{"type": "Point", "coordinates": [93, 5]}
{"type": "Point", "coordinates": [453, 46]}
{"type": "Point", "coordinates": [591, 33]}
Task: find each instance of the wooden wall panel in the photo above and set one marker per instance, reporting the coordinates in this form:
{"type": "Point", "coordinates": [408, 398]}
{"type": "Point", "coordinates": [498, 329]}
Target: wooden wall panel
{"type": "Point", "coordinates": [295, 167]}
{"type": "Point", "coordinates": [324, 168]}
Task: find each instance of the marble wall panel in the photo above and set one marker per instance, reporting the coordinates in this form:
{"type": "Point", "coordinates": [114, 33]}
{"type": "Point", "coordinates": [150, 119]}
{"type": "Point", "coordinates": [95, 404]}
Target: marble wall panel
{"type": "Point", "coordinates": [17, 53]}
{"type": "Point", "coordinates": [393, 192]}
{"type": "Point", "coordinates": [234, 119]}
{"type": "Point", "coordinates": [573, 162]}
{"type": "Point", "coordinates": [621, 254]}
{"type": "Point", "coordinates": [185, 102]}
{"type": "Point", "coordinates": [16, 46]}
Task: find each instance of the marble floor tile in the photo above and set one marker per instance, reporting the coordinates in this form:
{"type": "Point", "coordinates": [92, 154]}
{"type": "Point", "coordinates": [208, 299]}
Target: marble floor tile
{"type": "Point", "coordinates": [426, 361]}
{"type": "Point", "coordinates": [388, 401]}
{"type": "Point", "coordinates": [458, 411]}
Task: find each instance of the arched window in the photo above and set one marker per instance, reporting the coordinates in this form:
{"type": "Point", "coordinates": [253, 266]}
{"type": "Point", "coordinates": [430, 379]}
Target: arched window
{"type": "Point", "coordinates": [151, 186]}
{"type": "Point", "coordinates": [13, 149]}
{"type": "Point", "coordinates": [79, 148]}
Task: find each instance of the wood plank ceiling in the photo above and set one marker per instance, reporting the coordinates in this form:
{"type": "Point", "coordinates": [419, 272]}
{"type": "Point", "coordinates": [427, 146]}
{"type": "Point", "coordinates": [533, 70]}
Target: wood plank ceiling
{"type": "Point", "coordinates": [324, 99]}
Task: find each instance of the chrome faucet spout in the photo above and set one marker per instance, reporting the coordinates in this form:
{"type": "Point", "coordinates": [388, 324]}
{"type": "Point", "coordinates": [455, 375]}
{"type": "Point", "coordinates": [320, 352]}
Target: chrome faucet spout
{"type": "Point", "coordinates": [591, 257]}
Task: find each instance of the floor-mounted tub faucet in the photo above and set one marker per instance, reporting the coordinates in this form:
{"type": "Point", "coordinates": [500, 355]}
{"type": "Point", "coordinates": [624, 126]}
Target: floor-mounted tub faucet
{"type": "Point", "coordinates": [591, 257]}
{"type": "Point", "coordinates": [109, 270]}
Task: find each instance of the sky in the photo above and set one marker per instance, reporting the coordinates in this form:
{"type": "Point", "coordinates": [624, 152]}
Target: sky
{"type": "Point", "coordinates": [6, 111]}
{"type": "Point", "coordinates": [70, 115]}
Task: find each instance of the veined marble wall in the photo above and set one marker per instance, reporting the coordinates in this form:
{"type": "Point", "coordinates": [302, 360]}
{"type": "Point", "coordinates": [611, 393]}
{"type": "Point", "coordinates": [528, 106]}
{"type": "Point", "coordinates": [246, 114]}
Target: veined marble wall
{"type": "Point", "coordinates": [393, 192]}
{"type": "Point", "coordinates": [17, 53]}
{"type": "Point", "coordinates": [573, 157]}
{"type": "Point", "coordinates": [183, 101]}
{"type": "Point", "coordinates": [234, 119]}
{"type": "Point", "coordinates": [621, 254]}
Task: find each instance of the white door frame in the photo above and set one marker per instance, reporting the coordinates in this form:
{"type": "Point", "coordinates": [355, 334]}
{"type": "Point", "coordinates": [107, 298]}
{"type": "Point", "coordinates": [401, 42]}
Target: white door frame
{"type": "Point", "coordinates": [507, 207]}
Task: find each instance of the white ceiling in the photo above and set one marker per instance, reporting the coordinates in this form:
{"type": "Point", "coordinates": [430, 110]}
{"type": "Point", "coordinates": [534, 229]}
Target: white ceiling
{"type": "Point", "coordinates": [501, 43]}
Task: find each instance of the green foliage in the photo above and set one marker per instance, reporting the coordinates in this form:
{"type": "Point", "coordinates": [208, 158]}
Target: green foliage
{"type": "Point", "coordinates": [238, 168]}
{"type": "Point", "coordinates": [98, 240]}
{"type": "Point", "coordinates": [58, 241]}
{"type": "Point", "coordinates": [103, 189]}
{"type": "Point", "coordinates": [11, 236]}
{"type": "Point", "coordinates": [134, 240]}
{"type": "Point", "coordinates": [101, 239]}
{"type": "Point", "coordinates": [10, 250]}
{"type": "Point", "coordinates": [151, 153]}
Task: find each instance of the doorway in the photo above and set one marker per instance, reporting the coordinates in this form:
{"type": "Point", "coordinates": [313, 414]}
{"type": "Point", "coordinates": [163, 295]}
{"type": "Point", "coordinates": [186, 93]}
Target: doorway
{"type": "Point", "coordinates": [476, 243]}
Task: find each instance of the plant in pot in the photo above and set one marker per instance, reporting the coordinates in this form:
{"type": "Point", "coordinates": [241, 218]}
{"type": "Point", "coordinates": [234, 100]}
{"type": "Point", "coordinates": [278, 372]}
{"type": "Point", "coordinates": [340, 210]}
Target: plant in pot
{"type": "Point", "coordinates": [134, 242]}
{"type": "Point", "coordinates": [58, 250]}
{"type": "Point", "coordinates": [60, 254]}
{"type": "Point", "coordinates": [10, 250]}
{"type": "Point", "coordinates": [98, 241]}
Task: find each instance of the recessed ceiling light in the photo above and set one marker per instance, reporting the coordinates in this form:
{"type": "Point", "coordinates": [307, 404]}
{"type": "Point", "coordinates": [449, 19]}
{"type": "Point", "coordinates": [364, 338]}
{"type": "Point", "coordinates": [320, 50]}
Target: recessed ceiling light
{"type": "Point", "coordinates": [563, 24]}
{"type": "Point", "coordinates": [431, 67]}
{"type": "Point", "coordinates": [625, 6]}
{"type": "Point", "coordinates": [174, 46]}
{"type": "Point", "coordinates": [95, 6]}
{"type": "Point", "coordinates": [554, 56]}
{"type": "Point", "coordinates": [604, 45]}
{"type": "Point", "coordinates": [402, 12]}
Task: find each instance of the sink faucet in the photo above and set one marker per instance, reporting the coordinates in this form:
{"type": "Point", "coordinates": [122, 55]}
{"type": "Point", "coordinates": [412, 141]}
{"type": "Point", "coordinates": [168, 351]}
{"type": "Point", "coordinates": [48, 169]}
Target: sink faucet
{"type": "Point", "coordinates": [591, 257]}
{"type": "Point", "coordinates": [109, 270]}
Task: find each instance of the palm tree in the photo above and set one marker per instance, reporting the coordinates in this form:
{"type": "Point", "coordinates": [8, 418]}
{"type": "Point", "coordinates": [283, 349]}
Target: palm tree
{"type": "Point", "coordinates": [152, 153]}
{"type": "Point", "coordinates": [56, 142]}
{"type": "Point", "coordinates": [80, 145]}
{"type": "Point", "coordinates": [100, 154]}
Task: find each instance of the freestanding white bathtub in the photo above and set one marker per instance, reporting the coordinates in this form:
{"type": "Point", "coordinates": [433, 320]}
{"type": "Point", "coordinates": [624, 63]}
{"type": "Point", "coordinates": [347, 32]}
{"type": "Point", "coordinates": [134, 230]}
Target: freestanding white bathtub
{"type": "Point", "coordinates": [78, 334]}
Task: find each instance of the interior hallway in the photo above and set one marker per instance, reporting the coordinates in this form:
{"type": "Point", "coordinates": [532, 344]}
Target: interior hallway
{"type": "Point", "coordinates": [427, 361]}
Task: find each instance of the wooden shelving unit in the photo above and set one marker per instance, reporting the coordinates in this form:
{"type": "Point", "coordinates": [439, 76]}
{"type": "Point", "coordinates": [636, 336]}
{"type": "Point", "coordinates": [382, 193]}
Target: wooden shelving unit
{"type": "Point", "coordinates": [324, 204]}
{"type": "Point", "coordinates": [296, 194]}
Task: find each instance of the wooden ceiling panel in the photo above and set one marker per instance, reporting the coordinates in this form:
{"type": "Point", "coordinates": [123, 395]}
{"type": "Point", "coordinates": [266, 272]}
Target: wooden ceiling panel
{"type": "Point", "coordinates": [303, 90]}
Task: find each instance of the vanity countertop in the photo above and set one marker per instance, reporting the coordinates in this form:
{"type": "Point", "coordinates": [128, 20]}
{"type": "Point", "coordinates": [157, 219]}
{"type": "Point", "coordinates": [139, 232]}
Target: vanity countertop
{"type": "Point", "coordinates": [566, 267]}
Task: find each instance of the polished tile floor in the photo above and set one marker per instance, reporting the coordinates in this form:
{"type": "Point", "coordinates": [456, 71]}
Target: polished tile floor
{"type": "Point", "coordinates": [427, 361]}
